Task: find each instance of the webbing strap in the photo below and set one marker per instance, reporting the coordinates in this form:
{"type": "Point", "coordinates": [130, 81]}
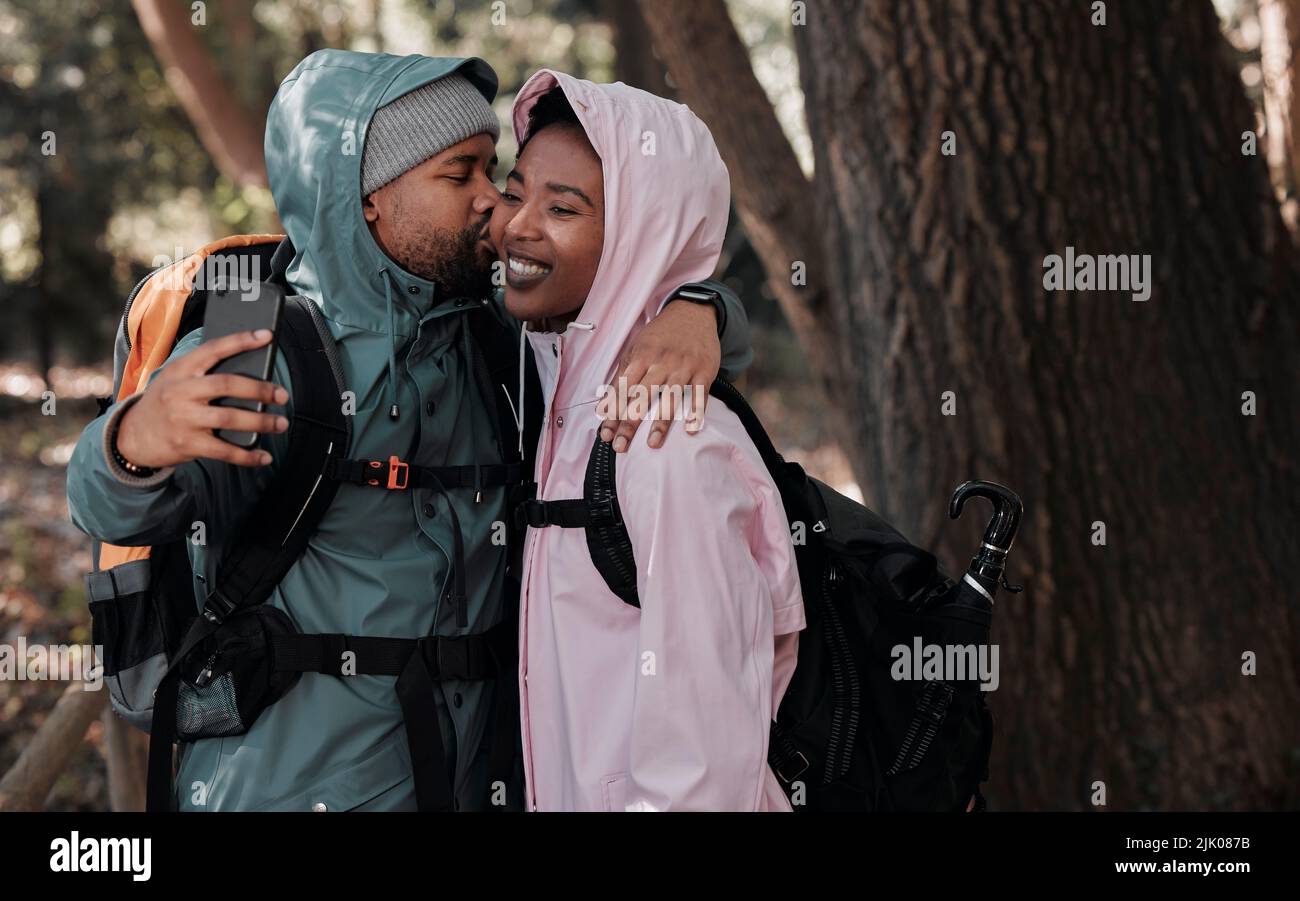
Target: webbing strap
{"type": "Point", "coordinates": [574, 513]}
{"type": "Point", "coordinates": [598, 514]}
{"type": "Point", "coordinates": [395, 474]}
{"type": "Point", "coordinates": [162, 729]}
{"type": "Point", "coordinates": [730, 395]}
{"type": "Point", "coordinates": [446, 656]}
{"type": "Point", "coordinates": [162, 738]}
{"type": "Point", "coordinates": [273, 536]}
{"type": "Point", "coordinates": [429, 776]}
{"type": "Point", "coordinates": [786, 761]}
{"type": "Point", "coordinates": [418, 663]}
{"type": "Point", "coordinates": [597, 511]}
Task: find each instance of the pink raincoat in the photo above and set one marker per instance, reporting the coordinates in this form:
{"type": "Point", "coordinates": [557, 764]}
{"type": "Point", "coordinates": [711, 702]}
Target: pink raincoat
{"type": "Point", "coordinates": [666, 707]}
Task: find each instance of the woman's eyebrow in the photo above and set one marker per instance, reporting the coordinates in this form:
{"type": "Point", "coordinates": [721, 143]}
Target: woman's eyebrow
{"type": "Point", "coordinates": [569, 189]}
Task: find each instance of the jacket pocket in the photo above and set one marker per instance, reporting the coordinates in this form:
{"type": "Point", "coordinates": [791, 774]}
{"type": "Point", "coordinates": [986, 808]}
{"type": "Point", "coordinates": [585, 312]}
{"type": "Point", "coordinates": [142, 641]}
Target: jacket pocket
{"type": "Point", "coordinates": [125, 624]}
{"type": "Point", "coordinates": [613, 792]}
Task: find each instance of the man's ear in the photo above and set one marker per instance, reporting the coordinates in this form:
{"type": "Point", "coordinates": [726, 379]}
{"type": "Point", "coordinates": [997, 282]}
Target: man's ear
{"type": "Point", "coordinates": [369, 207]}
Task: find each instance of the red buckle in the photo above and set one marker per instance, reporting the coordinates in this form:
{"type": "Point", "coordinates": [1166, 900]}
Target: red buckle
{"type": "Point", "coordinates": [394, 466]}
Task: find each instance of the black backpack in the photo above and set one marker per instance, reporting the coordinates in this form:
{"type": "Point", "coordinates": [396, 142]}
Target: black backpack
{"type": "Point", "coordinates": [848, 735]}
{"type": "Point", "coordinates": [182, 674]}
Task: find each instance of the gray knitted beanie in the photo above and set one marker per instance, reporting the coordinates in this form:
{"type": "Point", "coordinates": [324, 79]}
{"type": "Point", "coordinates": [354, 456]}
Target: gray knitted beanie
{"type": "Point", "coordinates": [416, 126]}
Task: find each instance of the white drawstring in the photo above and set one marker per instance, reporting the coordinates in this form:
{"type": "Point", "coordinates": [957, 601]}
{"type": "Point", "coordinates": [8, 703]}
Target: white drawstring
{"type": "Point", "coordinates": [518, 412]}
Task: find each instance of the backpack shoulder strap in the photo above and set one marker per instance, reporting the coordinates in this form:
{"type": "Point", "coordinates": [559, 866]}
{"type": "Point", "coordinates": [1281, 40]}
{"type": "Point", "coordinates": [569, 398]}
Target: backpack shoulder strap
{"type": "Point", "coordinates": [730, 395]}
{"type": "Point", "coordinates": [608, 541]}
{"type": "Point", "coordinates": [277, 529]}
{"type": "Point", "coordinates": [598, 513]}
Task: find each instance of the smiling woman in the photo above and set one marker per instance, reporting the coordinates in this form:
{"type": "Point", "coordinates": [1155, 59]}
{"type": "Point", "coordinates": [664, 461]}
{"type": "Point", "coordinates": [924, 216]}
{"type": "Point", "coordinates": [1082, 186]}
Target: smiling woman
{"type": "Point", "coordinates": [550, 225]}
{"type": "Point", "coordinates": [667, 705]}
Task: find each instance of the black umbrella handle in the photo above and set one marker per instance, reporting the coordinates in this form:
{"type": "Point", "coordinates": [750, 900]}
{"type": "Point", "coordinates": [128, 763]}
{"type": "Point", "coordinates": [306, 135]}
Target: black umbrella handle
{"type": "Point", "coordinates": [989, 563]}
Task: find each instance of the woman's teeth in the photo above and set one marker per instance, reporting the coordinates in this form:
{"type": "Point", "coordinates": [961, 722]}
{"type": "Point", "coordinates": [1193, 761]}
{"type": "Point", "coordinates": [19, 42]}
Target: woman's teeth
{"type": "Point", "coordinates": [527, 268]}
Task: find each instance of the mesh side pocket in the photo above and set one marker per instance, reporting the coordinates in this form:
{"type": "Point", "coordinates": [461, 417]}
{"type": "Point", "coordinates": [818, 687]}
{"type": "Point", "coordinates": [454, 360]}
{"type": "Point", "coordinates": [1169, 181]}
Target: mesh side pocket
{"type": "Point", "coordinates": [208, 711]}
{"type": "Point", "coordinates": [229, 678]}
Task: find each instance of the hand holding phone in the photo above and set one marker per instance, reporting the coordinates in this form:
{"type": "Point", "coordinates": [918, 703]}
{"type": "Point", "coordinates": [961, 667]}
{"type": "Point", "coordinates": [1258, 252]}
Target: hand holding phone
{"type": "Point", "coordinates": [230, 312]}
{"type": "Point", "coordinates": [174, 419]}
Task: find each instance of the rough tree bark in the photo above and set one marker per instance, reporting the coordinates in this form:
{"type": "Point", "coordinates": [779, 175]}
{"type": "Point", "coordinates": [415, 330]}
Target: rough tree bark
{"type": "Point", "coordinates": [1120, 663]}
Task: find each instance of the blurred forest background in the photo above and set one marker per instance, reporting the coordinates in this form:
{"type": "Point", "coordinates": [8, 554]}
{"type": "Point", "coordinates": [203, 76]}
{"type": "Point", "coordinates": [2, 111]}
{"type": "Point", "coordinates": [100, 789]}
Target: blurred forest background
{"type": "Point", "coordinates": [130, 134]}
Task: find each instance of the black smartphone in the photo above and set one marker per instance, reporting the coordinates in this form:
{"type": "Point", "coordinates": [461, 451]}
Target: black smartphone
{"type": "Point", "coordinates": [239, 310]}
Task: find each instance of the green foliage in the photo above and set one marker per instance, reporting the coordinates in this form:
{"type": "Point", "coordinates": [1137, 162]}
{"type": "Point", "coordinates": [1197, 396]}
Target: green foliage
{"type": "Point", "coordinates": [89, 126]}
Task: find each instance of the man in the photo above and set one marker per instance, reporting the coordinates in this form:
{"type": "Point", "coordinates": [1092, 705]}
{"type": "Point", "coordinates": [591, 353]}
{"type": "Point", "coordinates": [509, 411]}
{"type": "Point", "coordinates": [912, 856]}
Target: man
{"type": "Point", "coordinates": [387, 243]}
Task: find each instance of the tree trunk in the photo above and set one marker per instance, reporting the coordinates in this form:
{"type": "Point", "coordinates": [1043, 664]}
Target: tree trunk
{"type": "Point", "coordinates": [231, 134]}
{"type": "Point", "coordinates": [29, 780]}
{"type": "Point", "coordinates": [710, 66]}
{"type": "Point", "coordinates": [1275, 68]}
{"type": "Point", "coordinates": [1279, 22]}
{"type": "Point", "coordinates": [1122, 663]}
{"type": "Point", "coordinates": [635, 61]}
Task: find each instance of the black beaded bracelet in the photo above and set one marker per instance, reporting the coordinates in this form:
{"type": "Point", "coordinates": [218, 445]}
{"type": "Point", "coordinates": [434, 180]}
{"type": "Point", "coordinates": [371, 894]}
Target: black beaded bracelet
{"type": "Point", "coordinates": [142, 472]}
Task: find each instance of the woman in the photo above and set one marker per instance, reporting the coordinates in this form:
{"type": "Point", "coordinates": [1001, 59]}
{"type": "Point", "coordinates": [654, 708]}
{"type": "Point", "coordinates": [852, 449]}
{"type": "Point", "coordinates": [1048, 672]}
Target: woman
{"type": "Point", "coordinates": [618, 196]}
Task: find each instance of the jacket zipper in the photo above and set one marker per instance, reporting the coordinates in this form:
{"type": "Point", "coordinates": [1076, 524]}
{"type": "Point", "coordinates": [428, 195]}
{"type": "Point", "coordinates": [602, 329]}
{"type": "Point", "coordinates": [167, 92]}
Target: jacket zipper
{"type": "Point", "coordinates": [130, 299]}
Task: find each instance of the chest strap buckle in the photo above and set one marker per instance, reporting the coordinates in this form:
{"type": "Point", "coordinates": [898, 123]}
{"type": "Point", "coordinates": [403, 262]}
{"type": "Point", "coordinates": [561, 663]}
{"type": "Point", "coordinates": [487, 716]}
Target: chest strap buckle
{"type": "Point", "coordinates": [396, 468]}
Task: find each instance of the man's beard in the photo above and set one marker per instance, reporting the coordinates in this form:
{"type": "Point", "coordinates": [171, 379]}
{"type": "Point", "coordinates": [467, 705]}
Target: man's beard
{"type": "Point", "coordinates": [450, 259]}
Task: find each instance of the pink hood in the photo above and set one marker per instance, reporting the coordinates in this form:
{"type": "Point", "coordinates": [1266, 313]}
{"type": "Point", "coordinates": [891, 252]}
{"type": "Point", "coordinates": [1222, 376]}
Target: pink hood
{"type": "Point", "coordinates": [666, 706]}
{"type": "Point", "coordinates": [667, 197]}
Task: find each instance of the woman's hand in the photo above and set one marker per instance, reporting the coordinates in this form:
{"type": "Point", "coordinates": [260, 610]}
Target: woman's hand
{"type": "Point", "coordinates": [677, 354]}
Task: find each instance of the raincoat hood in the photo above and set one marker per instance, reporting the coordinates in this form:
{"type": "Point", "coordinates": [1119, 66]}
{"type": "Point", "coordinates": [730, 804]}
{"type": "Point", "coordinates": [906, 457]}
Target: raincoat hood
{"type": "Point", "coordinates": [667, 197]}
{"type": "Point", "coordinates": [315, 135]}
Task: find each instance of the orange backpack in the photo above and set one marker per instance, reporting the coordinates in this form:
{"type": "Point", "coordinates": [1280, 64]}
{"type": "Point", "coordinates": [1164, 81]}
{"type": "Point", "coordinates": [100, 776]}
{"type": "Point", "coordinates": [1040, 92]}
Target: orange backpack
{"type": "Point", "coordinates": [163, 308]}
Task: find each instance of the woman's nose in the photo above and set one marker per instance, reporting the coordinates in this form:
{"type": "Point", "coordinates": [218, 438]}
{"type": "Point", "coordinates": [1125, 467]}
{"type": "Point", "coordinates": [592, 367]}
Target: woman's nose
{"type": "Point", "coordinates": [520, 225]}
